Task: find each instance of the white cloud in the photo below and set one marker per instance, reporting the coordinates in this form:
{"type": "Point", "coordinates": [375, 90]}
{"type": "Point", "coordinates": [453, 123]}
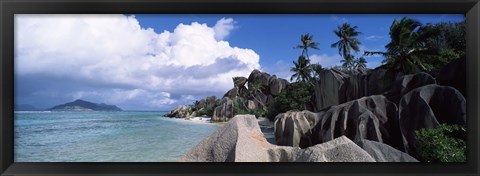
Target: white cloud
{"type": "Point", "coordinates": [223, 27]}
{"type": "Point", "coordinates": [325, 60]}
{"type": "Point", "coordinates": [135, 63]}
{"type": "Point", "coordinates": [375, 37]}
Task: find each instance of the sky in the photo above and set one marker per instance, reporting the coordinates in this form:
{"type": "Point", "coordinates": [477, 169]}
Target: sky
{"type": "Point", "coordinates": [157, 62]}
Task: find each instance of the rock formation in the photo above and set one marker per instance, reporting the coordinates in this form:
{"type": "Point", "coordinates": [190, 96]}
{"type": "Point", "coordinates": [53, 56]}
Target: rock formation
{"type": "Point", "coordinates": [240, 140]}
{"type": "Point", "coordinates": [454, 74]}
{"type": "Point", "coordinates": [223, 112]}
{"type": "Point", "coordinates": [407, 83]}
{"type": "Point", "coordinates": [183, 111]}
{"type": "Point", "coordinates": [384, 153]}
{"type": "Point", "coordinates": [330, 89]}
{"type": "Point", "coordinates": [373, 118]}
{"type": "Point", "coordinates": [427, 107]}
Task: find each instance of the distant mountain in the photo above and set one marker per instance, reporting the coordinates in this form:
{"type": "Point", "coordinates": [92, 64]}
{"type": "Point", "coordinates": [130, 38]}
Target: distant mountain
{"type": "Point", "coordinates": [25, 107]}
{"type": "Point", "coordinates": [81, 105]}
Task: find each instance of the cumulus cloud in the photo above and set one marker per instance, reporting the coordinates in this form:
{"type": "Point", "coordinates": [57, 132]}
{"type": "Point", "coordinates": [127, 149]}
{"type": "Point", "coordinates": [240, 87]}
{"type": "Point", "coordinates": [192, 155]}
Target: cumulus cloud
{"type": "Point", "coordinates": [326, 60]}
{"type": "Point", "coordinates": [111, 57]}
{"type": "Point", "coordinates": [223, 27]}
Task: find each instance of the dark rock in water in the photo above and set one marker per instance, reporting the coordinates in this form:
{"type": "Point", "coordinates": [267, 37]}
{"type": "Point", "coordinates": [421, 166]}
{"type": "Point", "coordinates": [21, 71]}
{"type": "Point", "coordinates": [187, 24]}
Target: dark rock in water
{"type": "Point", "coordinates": [427, 107]}
{"type": "Point", "coordinates": [407, 83]}
{"type": "Point", "coordinates": [224, 112]}
{"type": "Point", "coordinates": [183, 111]}
{"type": "Point", "coordinates": [232, 93]}
{"type": "Point", "coordinates": [373, 118]}
{"type": "Point", "coordinates": [330, 89]}
{"type": "Point", "coordinates": [294, 128]}
{"type": "Point", "coordinates": [241, 140]}
{"type": "Point", "coordinates": [454, 74]}
{"type": "Point", "coordinates": [384, 153]}
{"type": "Point", "coordinates": [81, 105]}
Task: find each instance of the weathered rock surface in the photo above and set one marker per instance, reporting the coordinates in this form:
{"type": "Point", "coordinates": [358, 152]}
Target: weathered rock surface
{"type": "Point", "coordinates": [223, 112]}
{"type": "Point", "coordinates": [330, 89]}
{"type": "Point", "coordinates": [240, 81]}
{"type": "Point", "coordinates": [340, 149]}
{"type": "Point", "coordinates": [384, 153]}
{"type": "Point", "coordinates": [257, 76]}
{"type": "Point", "coordinates": [454, 74]}
{"type": "Point", "coordinates": [232, 93]}
{"type": "Point", "coordinates": [294, 128]}
{"type": "Point", "coordinates": [376, 81]}
{"type": "Point", "coordinates": [407, 83]}
{"type": "Point", "coordinates": [183, 111]}
{"type": "Point", "coordinates": [276, 85]}
{"type": "Point", "coordinates": [373, 118]}
{"type": "Point", "coordinates": [356, 85]}
{"type": "Point", "coordinates": [240, 140]}
{"type": "Point", "coordinates": [427, 107]}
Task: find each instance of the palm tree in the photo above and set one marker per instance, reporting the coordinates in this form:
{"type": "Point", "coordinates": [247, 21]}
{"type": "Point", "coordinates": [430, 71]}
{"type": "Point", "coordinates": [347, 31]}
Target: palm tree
{"type": "Point", "coordinates": [307, 42]}
{"type": "Point", "coordinates": [406, 47]}
{"type": "Point", "coordinates": [361, 63]}
{"type": "Point", "coordinates": [347, 42]}
{"type": "Point", "coordinates": [302, 69]}
{"type": "Point", "coordinates": [316, 68]}
{"type": "Point", "coordinates": [348, 63]}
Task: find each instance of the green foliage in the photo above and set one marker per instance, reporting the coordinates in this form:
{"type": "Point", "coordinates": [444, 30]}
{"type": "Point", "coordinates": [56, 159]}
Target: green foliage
{"type": "Point", "coordinates": [294, 97]}
{"type": "Point", "coordinates": [449, 42]}
{"type": "Point", "coordinates": [302, 70]}
{"type": "Point", "coordinates": [307, 42]}
{"type": "Point", "coordinates": [239, 107]}
{"type": "Point", "coordinates": [415, 47]}
{"type": "Point", "coordinates": [206, 106]}
{"type": "Point", "coordinates": [348, 41]}
{"type": "Point", "coordinates": [446, 143]}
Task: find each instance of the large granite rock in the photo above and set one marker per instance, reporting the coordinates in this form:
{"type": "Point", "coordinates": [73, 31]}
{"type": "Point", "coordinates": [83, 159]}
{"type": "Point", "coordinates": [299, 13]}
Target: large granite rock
{"type": "Point", "coordinates": [384, 153]}
{"type": "Point", "coordinates": [294, 128]}
{"type": "Point", "coordinates": [356, 85]}
{"type": "Point", "coordinates": [407, 83]}
{"type": "Point", "coordinates": [183, 111]}
{"type": "Point", "coordinates": [373, 118]}
{"type": "Point", "coordinates": [454, 74]}
{"type": "Point", "coordinates": [428, 107]}
{"type": "Point", "coordinates": [239, 81]}
{"type": "Point", "coordinates": [340, 149]}
{"type": "Point", "coordinates": [232, 93]}
{"type": "Point", "coordinates": [241, 140]}
{"type": "Point", "coordinates": [376, 81]}
{"type": "Point", "coordinates": [276, 85]}
{"type": "Point", "coordinates": [256, 75]}
{"type": "Point", "coordinates": [223, 112]}
{"type": "Point", "coordinates": [238, 140]}
{"type": "Point", "coordinates": [330, 89]}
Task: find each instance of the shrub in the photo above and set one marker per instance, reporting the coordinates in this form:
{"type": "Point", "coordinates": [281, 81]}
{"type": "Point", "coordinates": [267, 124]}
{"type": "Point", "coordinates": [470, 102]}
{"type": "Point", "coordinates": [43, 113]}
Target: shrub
{"type": "Point", "coordinates": [294, 97]}
{"type": "Point", "coordinates": [445, 143]}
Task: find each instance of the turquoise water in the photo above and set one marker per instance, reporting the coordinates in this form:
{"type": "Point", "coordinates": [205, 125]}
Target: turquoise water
{"type": "Point", "coordinates": [104, 136]}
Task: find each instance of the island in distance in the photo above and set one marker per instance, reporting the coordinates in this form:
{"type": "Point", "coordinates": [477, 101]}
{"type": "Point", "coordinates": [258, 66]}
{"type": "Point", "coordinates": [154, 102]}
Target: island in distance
{"type": "Point", "coordinates": [82, 105]}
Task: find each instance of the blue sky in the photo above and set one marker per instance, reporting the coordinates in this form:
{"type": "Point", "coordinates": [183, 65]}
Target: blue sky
{"type": "Point", "coordinates": [156, 62]}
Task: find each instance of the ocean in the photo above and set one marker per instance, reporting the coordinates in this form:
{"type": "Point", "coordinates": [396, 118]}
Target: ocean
{"type": "Point", "coordinates": [104, 136]}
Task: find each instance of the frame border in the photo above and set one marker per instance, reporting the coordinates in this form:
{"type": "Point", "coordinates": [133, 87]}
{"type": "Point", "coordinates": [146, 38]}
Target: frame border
{"type": "Point", "coordinates": [10, 7]}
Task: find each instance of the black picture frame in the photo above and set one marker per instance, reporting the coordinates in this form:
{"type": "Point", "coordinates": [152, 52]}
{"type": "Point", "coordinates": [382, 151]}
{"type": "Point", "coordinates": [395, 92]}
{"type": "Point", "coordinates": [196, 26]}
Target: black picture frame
{"type": "Point", "coordinates": [10, 7]}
